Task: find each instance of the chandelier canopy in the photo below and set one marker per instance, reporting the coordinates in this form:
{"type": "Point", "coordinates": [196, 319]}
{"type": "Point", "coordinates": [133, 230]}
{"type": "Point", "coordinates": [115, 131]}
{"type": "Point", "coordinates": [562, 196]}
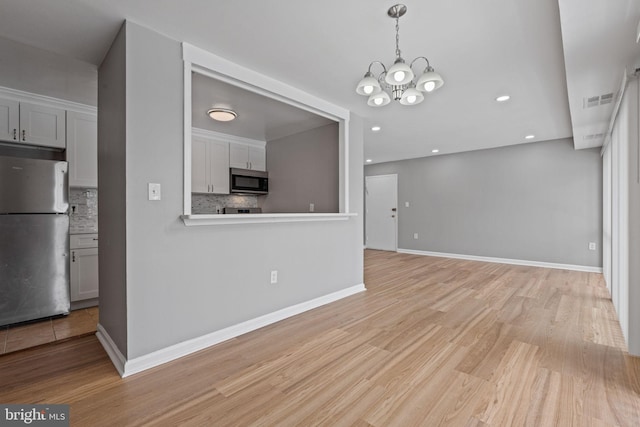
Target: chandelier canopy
{"type": "Point", "coordinates": [399, 80]}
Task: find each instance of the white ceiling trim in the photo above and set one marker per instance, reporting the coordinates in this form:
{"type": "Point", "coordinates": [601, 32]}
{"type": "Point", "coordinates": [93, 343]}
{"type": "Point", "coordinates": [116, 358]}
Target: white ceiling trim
{"type": "Point", "coordinates": [214, 66]}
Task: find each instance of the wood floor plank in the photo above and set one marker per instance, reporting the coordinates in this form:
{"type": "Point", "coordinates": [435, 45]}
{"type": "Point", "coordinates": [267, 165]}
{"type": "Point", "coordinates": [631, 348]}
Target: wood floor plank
{"type": "Point", "coordinates": [433, 341]}
{"type": "Point", "coordinates": [513, 381]}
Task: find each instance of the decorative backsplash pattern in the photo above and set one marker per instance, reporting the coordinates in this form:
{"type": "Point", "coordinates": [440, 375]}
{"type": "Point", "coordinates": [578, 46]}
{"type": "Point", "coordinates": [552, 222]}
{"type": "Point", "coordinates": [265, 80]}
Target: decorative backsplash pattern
{"type": "Point", "coordinates": [83, 210]}
{"type": "Point", "coordinates": [213, 203]}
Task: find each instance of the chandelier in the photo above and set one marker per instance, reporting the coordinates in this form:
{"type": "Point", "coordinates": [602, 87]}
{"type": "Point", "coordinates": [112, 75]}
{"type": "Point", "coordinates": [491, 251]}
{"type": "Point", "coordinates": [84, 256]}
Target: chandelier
{"type": "Point", "coordinates": [398, 81]}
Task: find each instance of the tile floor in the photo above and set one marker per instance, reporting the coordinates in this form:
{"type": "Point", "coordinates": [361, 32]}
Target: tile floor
{"type": "Point", "coordinates": [77, 323]}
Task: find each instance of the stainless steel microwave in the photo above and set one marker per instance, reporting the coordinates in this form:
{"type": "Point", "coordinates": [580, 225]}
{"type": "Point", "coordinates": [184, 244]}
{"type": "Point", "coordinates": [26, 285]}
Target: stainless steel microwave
{"type": "Point", "coordinates": [246, 181]}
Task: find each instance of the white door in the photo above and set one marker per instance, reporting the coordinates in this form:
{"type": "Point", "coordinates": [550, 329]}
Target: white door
{"type": "Point", "coordinates": [381, 198]}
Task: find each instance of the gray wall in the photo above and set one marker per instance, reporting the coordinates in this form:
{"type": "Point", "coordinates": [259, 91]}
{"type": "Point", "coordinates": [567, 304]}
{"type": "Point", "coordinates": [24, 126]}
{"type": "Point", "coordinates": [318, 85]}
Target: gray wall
{"type": "Point", "coordinates": [184, 282]}
{"type": "Point", "coordinates": [112, 196]}
{"type": "Point", "coordinates": [633, 303]}
{"type": "Point", "coordinates": [534, 202]}
{"type": "Point", "coordinates": [38, 71]}
{"type": "Point", "coordinates": [303, 169]}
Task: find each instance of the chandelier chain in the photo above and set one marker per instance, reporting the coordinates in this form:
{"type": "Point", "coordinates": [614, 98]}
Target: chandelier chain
{"type": "Point", "coordinates": [398, 53]}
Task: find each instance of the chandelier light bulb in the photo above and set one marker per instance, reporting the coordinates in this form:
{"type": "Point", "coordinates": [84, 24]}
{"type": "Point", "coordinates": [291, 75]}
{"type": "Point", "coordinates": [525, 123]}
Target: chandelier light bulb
{"type": "Point", "coordinates": [368, 90]}
{"type": "Point", "coordinates": [378, 101]}
{"type": "Point", "coordinates": [411, 96]}
{"type": "Point", "coordinates": [398, 76]}
{"type": "Point", "coordinates": [429, 86]}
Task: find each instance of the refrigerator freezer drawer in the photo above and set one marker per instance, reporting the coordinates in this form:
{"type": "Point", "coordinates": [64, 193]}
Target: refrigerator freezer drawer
{"type": "Point", "coordinates": [34, 267]}
{"type": "Point", "coordinates": [33, 186]}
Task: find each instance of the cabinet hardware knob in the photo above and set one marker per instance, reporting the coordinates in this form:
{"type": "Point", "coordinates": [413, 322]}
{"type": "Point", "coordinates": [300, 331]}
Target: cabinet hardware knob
{"type": "Point", "coordinates": [15, 134]}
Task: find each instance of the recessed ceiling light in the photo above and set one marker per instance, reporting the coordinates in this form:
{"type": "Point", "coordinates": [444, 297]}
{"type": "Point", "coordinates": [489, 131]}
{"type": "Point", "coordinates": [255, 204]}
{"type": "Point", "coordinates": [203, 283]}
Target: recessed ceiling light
{"type": "Point", "coordinates": [529, 137]}
{"type": "Point", "coordinates": [376, 128]}
{"type": "Point", "coordinates": [503, 98]}
{"type": "Point", "coordinates": [435, 151]}
{"type": "Point", "coordinates": [368, 160]}
{"type": "Point", "coordinates": [222, 114]}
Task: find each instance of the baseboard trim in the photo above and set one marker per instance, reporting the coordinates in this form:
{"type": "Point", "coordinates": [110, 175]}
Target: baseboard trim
{"type": "Point", "coordinates": [176, 351]}
{"type": "Point", "coordinates": [118, 360]}
{"type": "Point", "coordinates": [584, 268]}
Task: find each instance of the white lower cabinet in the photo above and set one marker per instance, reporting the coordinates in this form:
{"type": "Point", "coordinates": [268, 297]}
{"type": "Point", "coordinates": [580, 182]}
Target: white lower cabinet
{"type": "Point", "coordinates": [84, 267]}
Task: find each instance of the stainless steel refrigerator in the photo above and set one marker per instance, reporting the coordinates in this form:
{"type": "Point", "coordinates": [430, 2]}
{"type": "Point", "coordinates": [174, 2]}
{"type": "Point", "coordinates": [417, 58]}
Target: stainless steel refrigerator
{"type": "Point", "coordinates": [34, 239]}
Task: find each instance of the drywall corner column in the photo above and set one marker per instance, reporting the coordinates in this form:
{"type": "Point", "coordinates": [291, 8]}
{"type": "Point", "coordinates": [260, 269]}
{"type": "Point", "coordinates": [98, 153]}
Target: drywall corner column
{"type": "Point", "coordinates": [356, 188]}
{"type": "Point", "coordinates": [112, 108]}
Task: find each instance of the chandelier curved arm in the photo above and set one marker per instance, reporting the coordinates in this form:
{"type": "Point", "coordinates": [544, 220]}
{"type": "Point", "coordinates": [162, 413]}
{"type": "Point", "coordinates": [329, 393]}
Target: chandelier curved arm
{"type": "Point", "coordinates": [381, 64]}
{"type": "Point", "coordinates": [421, 57]}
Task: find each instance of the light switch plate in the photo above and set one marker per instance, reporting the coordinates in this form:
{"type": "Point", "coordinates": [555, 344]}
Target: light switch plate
{"type": "Point", "coordinates": [154, 191]}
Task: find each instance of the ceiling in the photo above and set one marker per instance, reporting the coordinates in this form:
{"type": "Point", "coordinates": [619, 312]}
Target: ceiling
{"type": "Point", "coordinates": [482, 50]}
{"type": "Point", "coordinates": [259, 117]}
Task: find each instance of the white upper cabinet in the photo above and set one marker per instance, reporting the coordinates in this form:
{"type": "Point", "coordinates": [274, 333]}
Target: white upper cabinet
{"type": "Point", "coordinates": [209, 166]}
{"type": "Point", "coordinates": [33, 124]}
{"type": "Point", "coordinates": [200, 166]}
{"type": "Point", "coordinates": [9, 119]}
{"type": "Point", "coordinates": [82, 149]}
{"type": "Point", "coordinates": [43, 126]}
{"type": "Point", "coordinates": [247, 157]}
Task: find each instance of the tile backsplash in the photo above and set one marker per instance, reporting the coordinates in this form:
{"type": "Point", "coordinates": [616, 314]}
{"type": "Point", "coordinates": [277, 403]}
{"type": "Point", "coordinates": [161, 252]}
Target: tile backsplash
{"type": "Point", "coordinates": [84, 218]}
{"type": "Point", "coordinates": [213, 203]}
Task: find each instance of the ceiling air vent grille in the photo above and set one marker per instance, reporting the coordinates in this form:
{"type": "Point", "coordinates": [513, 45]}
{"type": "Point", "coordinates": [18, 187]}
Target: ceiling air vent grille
{"type": "Point", "coordinates": [595, 101]}
{"type": "Point", "coordinates": [593, 136]}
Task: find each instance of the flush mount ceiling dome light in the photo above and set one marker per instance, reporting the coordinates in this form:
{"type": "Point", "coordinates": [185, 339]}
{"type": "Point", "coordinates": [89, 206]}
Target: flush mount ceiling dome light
{"type": "Point", "coordinates": [222, 114]}
{"type": "Point", "coordinates": [398, 80]}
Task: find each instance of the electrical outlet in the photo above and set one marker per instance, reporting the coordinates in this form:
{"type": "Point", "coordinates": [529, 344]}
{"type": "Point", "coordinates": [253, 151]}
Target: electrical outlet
{"type": "Point", "coordinates": [406, 204]}
{"type": "Point", "coordinates": [415, 236]}
{"type": "Point", "coordinates": [274, 277]}
{"type": "Point", "coordinates": [592, 246]}
{"type": "Point", "coordinates": [312, 207]}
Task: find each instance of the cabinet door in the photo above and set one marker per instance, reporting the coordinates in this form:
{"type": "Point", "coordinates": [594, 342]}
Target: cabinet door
{"type": "Point", "coordinates": [200, 166]}
{"type": "Point", "coordinates": [257, 159]}
{"type": "Point", "coordinates": [9, 128]}
{"type": "Point", "coordinates": [82, 149]}
{"type": "Point", "coordinates": [41, 125]}
{"type": "Point", "coordinates": [83, 277]}
{"type": "Point", "coordinates": [239, 156]}
{"type": "Point", "coordinates": [219, 160]}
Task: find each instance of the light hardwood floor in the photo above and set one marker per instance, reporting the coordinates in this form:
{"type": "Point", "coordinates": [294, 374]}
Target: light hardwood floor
{"type": "Point", "coordinates": [42, 332]}
{"type": "Point", "coordinates": [432, 341]}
